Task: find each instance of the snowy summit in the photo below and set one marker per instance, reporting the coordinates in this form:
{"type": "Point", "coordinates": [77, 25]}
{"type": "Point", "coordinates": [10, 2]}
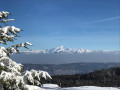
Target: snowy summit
{"type": "Point", "coordinates": [60, 49]}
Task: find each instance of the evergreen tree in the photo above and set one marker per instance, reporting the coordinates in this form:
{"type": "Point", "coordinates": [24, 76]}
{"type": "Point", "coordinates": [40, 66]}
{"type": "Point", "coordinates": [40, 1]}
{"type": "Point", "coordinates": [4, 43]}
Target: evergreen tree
{"type": "Point", "coordinates": [12, 76]}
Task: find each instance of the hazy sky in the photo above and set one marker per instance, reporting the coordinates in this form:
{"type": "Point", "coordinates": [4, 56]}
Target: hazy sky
{"type": "Point", "coordinates": [90, 24]}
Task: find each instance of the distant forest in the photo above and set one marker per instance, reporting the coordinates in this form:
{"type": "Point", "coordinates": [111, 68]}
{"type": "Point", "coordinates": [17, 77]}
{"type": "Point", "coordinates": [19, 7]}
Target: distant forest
{"type": "Point", "coordinates": [104, 77]}
{"type": "Point", "coordinates": [70, 68]}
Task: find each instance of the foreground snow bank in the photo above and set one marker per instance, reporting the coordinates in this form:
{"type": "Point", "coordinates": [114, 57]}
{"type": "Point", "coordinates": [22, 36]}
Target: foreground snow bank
{"type": "Point", "coordinates": [90, 88]}
{"type": "Point", "coordinates": [31, 87]}
{"type": "Point", "coordinates": [56, 87]}
{"type": "Point", "coordinates": [50, 86]}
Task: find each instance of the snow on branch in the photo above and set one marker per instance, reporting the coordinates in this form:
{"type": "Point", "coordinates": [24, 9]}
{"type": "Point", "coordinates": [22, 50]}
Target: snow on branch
{"type": "Point", "coordinates": [14, 48]}
{"type": "Point", "coordinates": [11, 66]}
{"type": "Point", "coordinates": [6, 20]}
{"type": "Point", "coordinates": [4, 14]}
{"type": "Point", "coordinates": [34, 76]}
{"type": "Point", "coordinates": [8, 34]}
{"type": "Point", "coordinates": [12, 76]}
{"type": "Point", "coordinates": [16, 82]}
{"type": "Point", "coordinates": [3, 18]}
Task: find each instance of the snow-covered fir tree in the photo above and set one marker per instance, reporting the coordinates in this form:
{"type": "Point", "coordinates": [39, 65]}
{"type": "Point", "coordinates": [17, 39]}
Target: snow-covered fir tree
{"type": "Point", "coordinates": [12, 76]}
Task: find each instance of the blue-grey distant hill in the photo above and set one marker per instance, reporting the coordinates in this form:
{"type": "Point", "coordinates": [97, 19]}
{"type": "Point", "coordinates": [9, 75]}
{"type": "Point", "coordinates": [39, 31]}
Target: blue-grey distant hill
{"type": "Point", "coordinates": [67, 61]}
{"type": "Point", "coordinates": [71, 68]}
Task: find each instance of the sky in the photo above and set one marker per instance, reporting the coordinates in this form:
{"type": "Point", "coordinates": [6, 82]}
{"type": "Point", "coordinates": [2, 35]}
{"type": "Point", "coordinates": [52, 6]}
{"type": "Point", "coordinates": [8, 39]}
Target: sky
{"type": "Point", "coordinates": [88, 24]}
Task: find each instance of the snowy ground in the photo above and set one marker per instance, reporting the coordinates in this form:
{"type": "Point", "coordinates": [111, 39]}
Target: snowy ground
{"type": "Point", "coordinates": [56, 87]}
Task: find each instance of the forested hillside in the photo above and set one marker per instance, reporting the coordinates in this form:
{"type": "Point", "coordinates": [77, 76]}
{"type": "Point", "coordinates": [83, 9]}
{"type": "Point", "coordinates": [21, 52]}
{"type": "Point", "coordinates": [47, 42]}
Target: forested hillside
{"type": "Point", "coordinates": [105, 77]}
{"type": "Point", "coordinates": [70, 68]}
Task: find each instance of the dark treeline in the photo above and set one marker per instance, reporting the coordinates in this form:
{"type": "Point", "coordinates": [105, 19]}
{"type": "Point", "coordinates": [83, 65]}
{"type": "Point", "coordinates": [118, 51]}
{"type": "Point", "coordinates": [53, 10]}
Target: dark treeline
{"type": "Point", "coordinates": [105, 77]}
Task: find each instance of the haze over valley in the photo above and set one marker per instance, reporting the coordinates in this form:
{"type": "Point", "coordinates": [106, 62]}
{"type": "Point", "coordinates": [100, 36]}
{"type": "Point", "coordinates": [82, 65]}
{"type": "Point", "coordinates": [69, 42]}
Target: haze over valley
{"type": "Point", "coordinates": [62, 55]}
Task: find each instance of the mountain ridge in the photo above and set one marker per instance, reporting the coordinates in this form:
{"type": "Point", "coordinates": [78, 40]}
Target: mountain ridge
{"type": "Point", "coordinates": [61, 55]}
{"type": "Point", "coordinates": [62, 49]}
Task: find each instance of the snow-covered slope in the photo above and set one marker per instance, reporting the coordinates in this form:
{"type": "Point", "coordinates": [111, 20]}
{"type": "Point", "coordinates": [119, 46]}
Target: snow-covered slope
{"type": "Point", "coordinates": [90, 88]}
{"type": "Point", "coordinates": [56, 87]}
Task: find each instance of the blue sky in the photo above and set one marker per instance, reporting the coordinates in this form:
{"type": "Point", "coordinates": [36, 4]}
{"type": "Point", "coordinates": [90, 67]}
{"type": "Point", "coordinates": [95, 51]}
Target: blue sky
{"type": "Point", "coordinates": [89, 24]}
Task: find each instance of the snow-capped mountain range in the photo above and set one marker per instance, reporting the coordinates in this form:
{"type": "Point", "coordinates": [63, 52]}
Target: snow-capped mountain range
{"type": "Point", "coordinates": [61, 55]}
{"type": "Point", "coordinates": [62, 49]}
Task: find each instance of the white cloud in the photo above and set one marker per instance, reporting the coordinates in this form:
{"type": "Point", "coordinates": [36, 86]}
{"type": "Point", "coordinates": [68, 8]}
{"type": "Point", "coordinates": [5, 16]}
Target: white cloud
{"type": "Point", "coordinates": [108, 19]}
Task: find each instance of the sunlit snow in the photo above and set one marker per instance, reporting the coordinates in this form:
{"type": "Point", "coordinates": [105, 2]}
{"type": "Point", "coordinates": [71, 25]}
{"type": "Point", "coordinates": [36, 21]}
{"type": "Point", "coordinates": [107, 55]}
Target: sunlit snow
{"type": "Point", "coordinates": [56, 87]}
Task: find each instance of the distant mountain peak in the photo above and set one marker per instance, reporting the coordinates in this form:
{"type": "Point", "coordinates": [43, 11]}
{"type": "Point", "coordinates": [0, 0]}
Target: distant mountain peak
{"type": "Point", "coordinates": [62, 49]}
